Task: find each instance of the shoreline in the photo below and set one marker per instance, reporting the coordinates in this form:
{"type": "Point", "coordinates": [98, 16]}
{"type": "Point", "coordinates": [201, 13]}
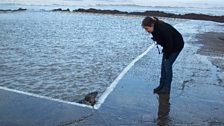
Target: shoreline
{"type": "Point", "coordinates": [15, 10]}
{"type": "Point", "coordinates": [212, 48]}
{"type": "Point", "coordinates": [197, 97]}
{"type": "Point", "coordinates": [192, 16]}
{"type": "Point", "coordinates": [213, 43]}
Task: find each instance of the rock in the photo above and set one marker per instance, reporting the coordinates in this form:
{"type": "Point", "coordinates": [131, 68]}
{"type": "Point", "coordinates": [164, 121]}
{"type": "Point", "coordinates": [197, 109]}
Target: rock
{"type": "Point", "coordinates": [20, 9]}
{"type": "Point", "coordinates": [90, 99]}
{"type": "Point", "coordinates": [156, 13]}
{"type": "Point", "coordinates": [92, 10]}
{"type": "Point", "coordinates": [5, 10]}
{"type": "Point", "coordinates": [9, 10]}
{"type": "Point", "coordinates": [61, 10]}
{"type": "Point", "coordinates": [152, 13]}
{"type": "Point", "coordinates": [203, 17]}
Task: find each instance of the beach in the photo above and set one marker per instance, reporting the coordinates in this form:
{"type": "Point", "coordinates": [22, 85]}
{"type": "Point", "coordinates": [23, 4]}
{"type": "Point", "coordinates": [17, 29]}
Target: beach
{"type": "Point", "coordinates": [193, 101]}
{"type": "Point", "coordinates": [212, 47]}
{"type": "Point", "coordinates": [197, 88]}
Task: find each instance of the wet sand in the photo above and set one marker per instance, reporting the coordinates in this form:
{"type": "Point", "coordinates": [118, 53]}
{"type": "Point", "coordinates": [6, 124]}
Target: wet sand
{"type": "Point", "coordinates": [213, 44]}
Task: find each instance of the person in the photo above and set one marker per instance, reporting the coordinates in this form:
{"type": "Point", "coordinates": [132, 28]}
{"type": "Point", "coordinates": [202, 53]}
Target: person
{"type": "Point", "coordinates": [172, 42]}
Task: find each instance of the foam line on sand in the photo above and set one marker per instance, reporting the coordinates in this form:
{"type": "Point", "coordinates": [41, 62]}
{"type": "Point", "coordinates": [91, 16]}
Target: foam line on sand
{"type": "Point", "coordinates": [44, 97]}
{"type": "Point", "coordinates": [119, 77]}
{"type": "Point", "coordinates": [102, 97]}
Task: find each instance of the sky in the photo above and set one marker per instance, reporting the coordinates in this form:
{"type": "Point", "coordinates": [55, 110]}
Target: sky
{"type": "Point", "coordinates": [184, 2]}
{"type": "Point", "coordinates": [178, 3]}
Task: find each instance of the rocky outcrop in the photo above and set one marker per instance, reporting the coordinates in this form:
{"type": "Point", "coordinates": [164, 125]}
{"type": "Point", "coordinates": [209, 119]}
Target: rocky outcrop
{"type": "Point", "coordinates": [156, 13]}
{"type": "Point", "coordinates": [202, 17]}
{"type": "Point", "coordinates": [152, 13]}
{"type": "Point", "coordinates": [9, 10]}
{"type": "Point", "coordinates": [92, 10]}
{"type": "Point", "coordinates": [61, 10]}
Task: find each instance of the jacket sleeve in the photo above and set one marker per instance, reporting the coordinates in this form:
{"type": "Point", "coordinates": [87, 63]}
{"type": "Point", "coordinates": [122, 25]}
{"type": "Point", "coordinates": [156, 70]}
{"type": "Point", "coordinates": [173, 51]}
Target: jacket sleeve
{"type": "Point", "coordinates": [167, 35]}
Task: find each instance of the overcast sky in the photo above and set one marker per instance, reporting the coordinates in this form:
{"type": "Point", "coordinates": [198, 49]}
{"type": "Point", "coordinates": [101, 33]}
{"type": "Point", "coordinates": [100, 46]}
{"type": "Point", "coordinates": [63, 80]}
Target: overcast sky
{"type": "Point", "coordinates": [185, 3]}
{"type": "Point", "coordinates": [181, 2]}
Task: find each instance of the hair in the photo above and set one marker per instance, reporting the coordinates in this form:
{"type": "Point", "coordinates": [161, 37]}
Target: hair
{"type": "Point", "coordinates": [149, 21]}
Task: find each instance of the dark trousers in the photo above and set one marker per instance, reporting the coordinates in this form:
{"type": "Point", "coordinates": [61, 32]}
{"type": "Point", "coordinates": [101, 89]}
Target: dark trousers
{"type": "Point", "coordinates": [167, 70]}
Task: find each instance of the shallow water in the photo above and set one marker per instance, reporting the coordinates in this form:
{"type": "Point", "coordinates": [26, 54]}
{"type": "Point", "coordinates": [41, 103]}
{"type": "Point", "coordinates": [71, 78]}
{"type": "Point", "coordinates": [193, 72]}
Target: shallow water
{"type": "Point", "coordinates": [66, 55]}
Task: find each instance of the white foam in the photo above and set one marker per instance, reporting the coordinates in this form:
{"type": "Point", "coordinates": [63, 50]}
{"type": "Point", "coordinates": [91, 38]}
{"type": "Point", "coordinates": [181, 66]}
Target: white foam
{"type": "Point", "coordinates": [103, 96]}
{"type": "Point", "coordinates": [44, 97]}
{"type": "Point", "coordinates": [121, 75]}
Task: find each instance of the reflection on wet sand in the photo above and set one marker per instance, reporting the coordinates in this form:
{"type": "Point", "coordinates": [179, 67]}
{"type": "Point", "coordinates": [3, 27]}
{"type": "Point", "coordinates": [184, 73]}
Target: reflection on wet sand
{"type": "Point", "coordinates": [163, 110]}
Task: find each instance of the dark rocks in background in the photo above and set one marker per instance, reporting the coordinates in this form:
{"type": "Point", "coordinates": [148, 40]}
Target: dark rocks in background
{"type": "Point", "coordinates": [156, 13]}
{"type": "Point", "coordinates": [92, 10]}
{"type": "Point", "coordinates": [152, 13]}
{"type": "Point", "coordinates": [20, 9]}
{"type": "Point", "coordinates": [192, 16]}
{"type": "Point", "coordinates": [5, 10]}
{"type": "Point", "coordinates": [203, 17]}
{"type": "Point", "coordinates": [61, 10]}
{"type": "Point", "coordinates": [9, 10]}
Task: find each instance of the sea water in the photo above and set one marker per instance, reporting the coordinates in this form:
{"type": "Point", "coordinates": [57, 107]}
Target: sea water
{"type": "Point", "coordinates": [66, 55]}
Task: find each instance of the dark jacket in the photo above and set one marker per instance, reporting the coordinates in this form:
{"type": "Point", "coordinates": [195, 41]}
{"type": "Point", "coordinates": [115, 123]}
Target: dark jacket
{"type": "Point", "coordinates": [168, 37]}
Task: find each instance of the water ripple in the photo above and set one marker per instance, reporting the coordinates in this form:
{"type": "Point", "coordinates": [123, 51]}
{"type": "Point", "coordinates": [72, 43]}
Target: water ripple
{"type": "Point", "coordinates": [66, 55]}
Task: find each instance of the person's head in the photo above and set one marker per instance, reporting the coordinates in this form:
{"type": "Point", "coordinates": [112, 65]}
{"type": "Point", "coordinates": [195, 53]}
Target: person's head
{"type": "Point", "coordinates": [148, 23]}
